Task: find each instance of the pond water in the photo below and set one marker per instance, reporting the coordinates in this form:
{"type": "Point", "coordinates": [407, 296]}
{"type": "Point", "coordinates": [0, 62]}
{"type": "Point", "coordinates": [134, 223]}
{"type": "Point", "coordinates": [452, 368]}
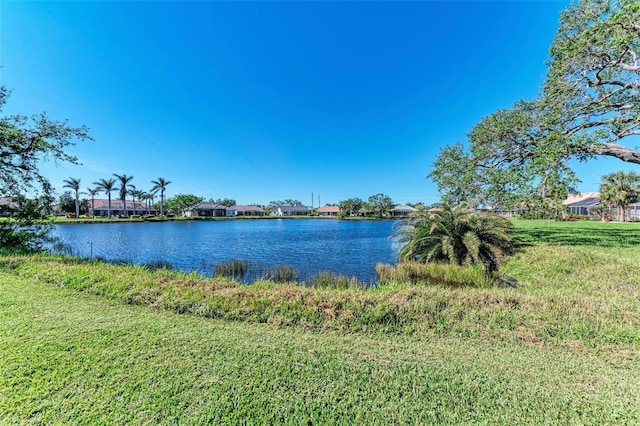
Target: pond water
{"type": "Point", "coordinates": [310, 246]}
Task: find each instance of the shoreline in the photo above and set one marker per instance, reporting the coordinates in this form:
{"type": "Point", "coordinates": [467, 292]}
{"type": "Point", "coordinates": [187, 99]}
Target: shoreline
{"type": "Point", "coordinates": [65, 221]}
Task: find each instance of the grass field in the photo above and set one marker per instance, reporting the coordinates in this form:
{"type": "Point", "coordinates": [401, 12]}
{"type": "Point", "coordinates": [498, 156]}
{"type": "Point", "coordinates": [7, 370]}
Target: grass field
{"type": "Point", "coordinates": [564, 347]}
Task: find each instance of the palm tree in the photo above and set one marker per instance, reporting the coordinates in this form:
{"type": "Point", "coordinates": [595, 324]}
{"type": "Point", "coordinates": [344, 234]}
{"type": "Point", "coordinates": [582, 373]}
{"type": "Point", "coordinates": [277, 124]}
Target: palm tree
{"type": "Point", "coordinates": [74, 184]}
{"type": "Point", "coordinates": [455, 235]}
{"type": "Point", "coordinates": [137, 193]}
{"type": "Point", "coordinates": [124, 183]}
{"type": "Point", "coordinates": [107, 185]}
{"type": "Point", "coordinates": [142, 196]}
{"type": "Point", "coordinates": [134, 193]}
{"type": "Point", "coordinates": [93, 192]}
{"type": "Point", "coordinates": [620, 189]}
{"type": "Point", "coordinates": [160, 185]}
{"type": "Point", "coordinates": [149, 197]}
{"type": "Point", "coordinates": [152, 199]}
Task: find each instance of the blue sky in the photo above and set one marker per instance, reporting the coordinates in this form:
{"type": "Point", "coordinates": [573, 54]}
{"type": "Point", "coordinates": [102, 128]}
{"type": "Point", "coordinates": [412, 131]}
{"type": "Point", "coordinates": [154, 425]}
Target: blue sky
{"type": "Point", "coordinates": [261, 101]}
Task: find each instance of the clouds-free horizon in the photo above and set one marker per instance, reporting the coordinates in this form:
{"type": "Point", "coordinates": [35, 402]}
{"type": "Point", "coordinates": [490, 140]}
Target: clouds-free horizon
{"type": "Point", "coordinates": [261, 101]}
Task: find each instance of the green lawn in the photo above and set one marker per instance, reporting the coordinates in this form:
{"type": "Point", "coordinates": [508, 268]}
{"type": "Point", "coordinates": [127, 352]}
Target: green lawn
{"type": "Point", "coordinates": [564, 347]}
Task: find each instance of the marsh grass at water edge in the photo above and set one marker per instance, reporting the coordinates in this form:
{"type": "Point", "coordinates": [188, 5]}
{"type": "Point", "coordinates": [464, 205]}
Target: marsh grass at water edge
{"type": "Point", "coordinates": [565, 294]}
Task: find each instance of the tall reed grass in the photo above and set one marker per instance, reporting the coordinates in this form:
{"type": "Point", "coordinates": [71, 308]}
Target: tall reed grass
{"type": "Point", "coordinates": [234, 269]}
{"type": "Point", "coordinates": [433, 274]}
{"type": "Point", "coordinates": [330, 280]}
{"type": "Point", "coordinates": [244, 271]}
{"type": "Point", "coordinates": [282, 274]}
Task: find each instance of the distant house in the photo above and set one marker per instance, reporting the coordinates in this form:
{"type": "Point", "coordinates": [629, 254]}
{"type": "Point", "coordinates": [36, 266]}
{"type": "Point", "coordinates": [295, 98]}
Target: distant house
{"type": "Point", "coordinates": [247, 211]}
{"type": "Point", "coordinates": [7, 206]}
{"type": "Point", "coordinates": [633, 211]}
{"type": "Point", "coordinates": [402, 211]}
{"type": "Point", "coordinates": [582, 204]}
{"type": "Point", "coordinates": [364, 212]}
{"type": "Point", "coordinates": [291, 211]}
{"type": "Point", "coordinates": [329, 211]}
{"type": "Point", "coordinates": [499, 211]}
{"type": "Point", "coordinates": [209, 210]}
{"type": "Point", "coordinates": [101, 208]}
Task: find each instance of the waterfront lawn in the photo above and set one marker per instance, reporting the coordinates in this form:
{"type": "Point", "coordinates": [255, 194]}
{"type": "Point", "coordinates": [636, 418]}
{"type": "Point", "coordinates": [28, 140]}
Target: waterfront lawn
{"type": "Point", "coordinates": [563, 347]}
{"type": "Point", "coordinates": [74, 358]}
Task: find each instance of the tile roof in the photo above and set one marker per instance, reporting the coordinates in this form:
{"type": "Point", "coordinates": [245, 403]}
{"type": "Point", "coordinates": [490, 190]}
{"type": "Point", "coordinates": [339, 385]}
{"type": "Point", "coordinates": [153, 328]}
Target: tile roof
{"type": "Point", "coordinates": [293, 208]}
{"type": "Point", "coordinates": [329, 209]}
{"type": "Point", "coordinates": [211, 206]}
{"type": "Point", "coordinates": [580, 198]}
{"type": "Point", "coordinates": [247, 209]}
{"type": "Point", "coordinates": [404, 208]}
{"type": "Point", "coordinates": [103, 204]}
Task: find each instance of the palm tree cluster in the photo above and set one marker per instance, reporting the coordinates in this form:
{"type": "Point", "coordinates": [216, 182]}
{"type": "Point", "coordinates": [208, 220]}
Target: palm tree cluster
{"type": "Point", "coordinates": [455, 235]}
{"type": "Point", "coordinates": [125, 188]}
{"type": "Point", "coordinates": [620, 189]}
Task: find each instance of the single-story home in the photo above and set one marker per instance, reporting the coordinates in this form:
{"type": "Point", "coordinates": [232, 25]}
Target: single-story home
{"type": "Point", "coordinates": [329, 211]}
{"type": "Point", "coordinates": [402, 211]}
{"type": "Point", "coordinates": [501, 211]}
{"type": "Point", "coordinates": [291, 211]}
{"type": "Point", "coordinates": [100, 208]}
{"type": "Point", "coordinates": [581, 204]}
{"type": "Point", "coordinates": [633, 211]}
{"type": "Point", "coordinates": [247, 211]}
{"type": "Point", "coordinates": [209, 210]}
{"type": "Point", "coordinates": [576, 204]}
{"type": "Point", "coordinates": [584, 204]}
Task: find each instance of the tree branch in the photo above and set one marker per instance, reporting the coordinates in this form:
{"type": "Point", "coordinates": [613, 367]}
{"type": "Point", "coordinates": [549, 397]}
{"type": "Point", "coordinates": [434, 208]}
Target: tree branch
{"type": "Point", "coordinates": [617, 151]}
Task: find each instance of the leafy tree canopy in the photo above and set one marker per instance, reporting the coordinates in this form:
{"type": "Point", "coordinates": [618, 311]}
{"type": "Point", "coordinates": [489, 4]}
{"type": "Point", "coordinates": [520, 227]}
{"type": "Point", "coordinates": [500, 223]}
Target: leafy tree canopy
{"type": "Point", "coordinates": [288, 202]}
{"type": "Point", "coordinates": [24, 142]}
{"type": "Point", "coordinates": [66, 202]}
{"type": "Point", "coordinates": [380, 204]}
{"type": "Point", "coordinates": [228, 202]}
{"type": "Point", "coordinates": [589, 104]}
{"type": "Point", "coordinates": [182, 202]}
{"type": "Point", "coordinates": [350, 206]}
